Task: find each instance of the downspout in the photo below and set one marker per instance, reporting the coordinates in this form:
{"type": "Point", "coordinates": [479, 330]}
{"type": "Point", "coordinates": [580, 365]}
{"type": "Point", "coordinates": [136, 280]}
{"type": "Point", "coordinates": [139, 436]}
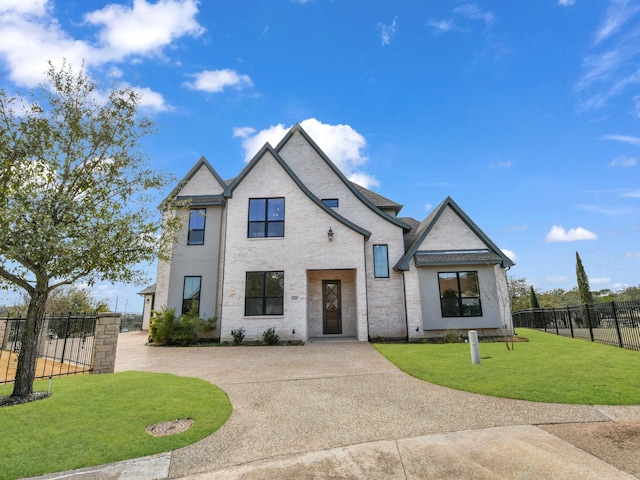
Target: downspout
{"type": "Point", "coordinates": [406, 313]}
{"type": "Point", "coordinates": [222, 254]}
{"type": "Point", "coordinates": [366, 284]}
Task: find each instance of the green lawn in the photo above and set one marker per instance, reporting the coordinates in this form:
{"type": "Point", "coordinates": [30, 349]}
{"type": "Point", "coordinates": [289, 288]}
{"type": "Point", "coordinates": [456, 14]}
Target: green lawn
{"type": "Point", "coordinates": [95, 419]}
{"type": "Point", "coordinates": [548, 368]}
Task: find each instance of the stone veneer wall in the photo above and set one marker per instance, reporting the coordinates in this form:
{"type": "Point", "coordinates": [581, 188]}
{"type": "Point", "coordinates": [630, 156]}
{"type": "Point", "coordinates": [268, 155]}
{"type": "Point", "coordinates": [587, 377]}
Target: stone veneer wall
{"type": "Point", "coordinates": [105, 342]}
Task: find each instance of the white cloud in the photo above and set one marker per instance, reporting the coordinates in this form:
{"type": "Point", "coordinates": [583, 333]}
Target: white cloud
{"type": "Point", "coordinates": [622, 138]}
{"type": "Point", "coordinates": [560, 279]}
{"type": "Point", "coordinates": [387, 32]}
{"type": "Point", "coordinates": [600, 280]}
{"type": "Point", "coordinates": [30, 35]}
{"type": "Point", "coordinates": [559, 234]}
{"type": "Point", "coordinates": [151, 100]}
{"type": "Point", "coordinates": [214, 81]}
{"type": "Point", "coordinates": [442, 26]}
{"type": "Point", "coordinates": [30, 7]}
{"type": "Point", "coordinates": [632, 194]}
{"type": "Point", "coordinates": [623, 161]}
{"type": "Point", "coordinates": [511, 254]}
{"type": "Point", "coordinates": [428, 207]}
{"type": "Point", "coordinates": [632, 255]}
{"type": "Point", "coordinates": [613, 66]}
{"type": "Point", "coordinates": [26, 45]}
{"type": "Point", "coordinates": [145, 28]}
{"type": "Point", "coordinates": [618, 13]}
{"type": "Point", "coordinates": [566, 3]}
{"type": "Point", "coordinates": [473, 12]}
{"type": "Point", "coordinates": [341, 143]}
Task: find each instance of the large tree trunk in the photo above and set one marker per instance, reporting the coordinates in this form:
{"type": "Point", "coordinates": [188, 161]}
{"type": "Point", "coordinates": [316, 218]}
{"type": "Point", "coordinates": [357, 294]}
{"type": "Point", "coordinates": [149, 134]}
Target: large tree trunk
{"type": "Point", "coordinates": [28, 356]}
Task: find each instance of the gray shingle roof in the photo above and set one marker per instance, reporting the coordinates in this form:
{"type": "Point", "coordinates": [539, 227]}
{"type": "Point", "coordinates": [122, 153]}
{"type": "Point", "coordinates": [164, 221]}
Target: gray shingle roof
{"type": "Point", "coordinates": [200, 200]}
{"type": "Point", "coordinates": [378, 200]}
{"type": "Point", "coordinates": [456, 257]}
{"type": "Point", "coordinates": [149, 290]}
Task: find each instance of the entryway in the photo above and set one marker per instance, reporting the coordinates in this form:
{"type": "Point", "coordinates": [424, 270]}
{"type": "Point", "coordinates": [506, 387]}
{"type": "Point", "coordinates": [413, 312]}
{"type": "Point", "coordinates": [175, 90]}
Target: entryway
{"type": "Point", "coordinates": [331, 307]}
{"type": "Point", "coordinates": [332, 303]}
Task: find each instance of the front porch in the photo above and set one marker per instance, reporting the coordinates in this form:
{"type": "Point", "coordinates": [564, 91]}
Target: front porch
{"type": "Point", "coordinates": [332, 305]}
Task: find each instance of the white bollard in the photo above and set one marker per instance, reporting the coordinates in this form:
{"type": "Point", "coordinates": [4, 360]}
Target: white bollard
{"type": "Point", "coordinates": [473, 345]}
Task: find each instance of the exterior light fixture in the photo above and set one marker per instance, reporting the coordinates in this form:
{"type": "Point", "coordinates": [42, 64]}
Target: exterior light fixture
{"type": "Point", "coordinates": [330, 234]}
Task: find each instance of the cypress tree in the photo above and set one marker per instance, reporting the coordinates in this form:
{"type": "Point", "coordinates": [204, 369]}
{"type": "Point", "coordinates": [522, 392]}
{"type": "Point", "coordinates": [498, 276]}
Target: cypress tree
{"type": "Point", "coordinates": [533, 299]}
{"type": "Point", "coordinates": [583, 282]}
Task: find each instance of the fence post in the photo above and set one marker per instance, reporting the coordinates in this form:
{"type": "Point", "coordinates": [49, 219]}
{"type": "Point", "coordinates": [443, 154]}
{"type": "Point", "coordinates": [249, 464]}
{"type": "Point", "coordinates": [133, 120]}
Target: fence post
{"type": "Point", "coordinates": [103, 358]}
{"type": "Point", "coordinates": [615, 319]}
{"type": "Point", "coordinates": [555, 320]}
{"type": "Point", "coordinates": [570, 323]}
{"type": "Point", "coordinates": [586, 306]}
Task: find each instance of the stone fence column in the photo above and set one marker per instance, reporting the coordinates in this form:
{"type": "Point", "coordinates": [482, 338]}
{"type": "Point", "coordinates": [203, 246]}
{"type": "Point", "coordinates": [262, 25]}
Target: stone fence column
{"type": "Point", "coordinates": [103, 359]}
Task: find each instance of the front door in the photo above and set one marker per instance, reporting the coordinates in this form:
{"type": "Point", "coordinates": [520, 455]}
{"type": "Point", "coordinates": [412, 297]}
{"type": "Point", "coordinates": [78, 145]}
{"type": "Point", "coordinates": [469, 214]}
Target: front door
{"type": "Point", "coordinates": [332, 307]}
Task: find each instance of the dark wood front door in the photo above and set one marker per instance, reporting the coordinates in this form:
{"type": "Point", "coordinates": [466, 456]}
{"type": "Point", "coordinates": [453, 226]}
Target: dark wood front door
{"type": "Point", "coordinates": [331, 307]}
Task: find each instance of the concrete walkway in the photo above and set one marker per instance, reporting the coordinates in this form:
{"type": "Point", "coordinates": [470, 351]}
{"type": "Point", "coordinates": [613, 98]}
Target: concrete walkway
{"type": "Point", "coordinates": [341, 410]}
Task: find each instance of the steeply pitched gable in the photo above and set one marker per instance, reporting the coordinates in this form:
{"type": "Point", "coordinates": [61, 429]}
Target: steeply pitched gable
{"type": "Point", "coordinates": [267, 148]}
{"type": "Point", "coordinates": [351, 186]}
{"type": "Point", "coordinates": [492, 254]}
{"type": "Point", "coordinates": [212, 186]}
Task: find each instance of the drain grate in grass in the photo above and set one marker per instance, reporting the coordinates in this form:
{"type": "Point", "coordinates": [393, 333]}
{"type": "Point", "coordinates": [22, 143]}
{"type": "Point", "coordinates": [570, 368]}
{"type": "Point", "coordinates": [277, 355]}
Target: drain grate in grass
{"type": "Point", "coordinates": [172, 427]}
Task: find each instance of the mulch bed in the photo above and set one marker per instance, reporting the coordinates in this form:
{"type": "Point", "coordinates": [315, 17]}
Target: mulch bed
{"type": "Point", "coordinates": [10, 400]}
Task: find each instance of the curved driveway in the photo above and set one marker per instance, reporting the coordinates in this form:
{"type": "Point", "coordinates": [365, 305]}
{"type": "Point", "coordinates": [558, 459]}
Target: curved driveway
{"type": "Point", "coordinates": [323, 396]}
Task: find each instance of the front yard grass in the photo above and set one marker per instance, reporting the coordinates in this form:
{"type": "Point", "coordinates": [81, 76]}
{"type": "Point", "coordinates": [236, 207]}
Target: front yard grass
{"type": "Point", "coordinates": [547, 368]}
{"type": "Point", "coordinates": [95, 419]}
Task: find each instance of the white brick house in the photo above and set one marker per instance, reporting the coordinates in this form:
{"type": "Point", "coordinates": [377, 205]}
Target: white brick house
{"type": "Point", "coordinates": [290, 243]}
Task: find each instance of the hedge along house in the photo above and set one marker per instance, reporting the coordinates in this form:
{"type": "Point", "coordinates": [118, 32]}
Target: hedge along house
{"type": "Point", "coordinates": [290, 243]}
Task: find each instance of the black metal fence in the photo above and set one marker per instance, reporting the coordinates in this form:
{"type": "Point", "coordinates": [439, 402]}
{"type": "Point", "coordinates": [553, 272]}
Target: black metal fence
{"type": "Point", "coordinates": [65, 345]}
{"type": "Point", "coordinates": [614, 323]}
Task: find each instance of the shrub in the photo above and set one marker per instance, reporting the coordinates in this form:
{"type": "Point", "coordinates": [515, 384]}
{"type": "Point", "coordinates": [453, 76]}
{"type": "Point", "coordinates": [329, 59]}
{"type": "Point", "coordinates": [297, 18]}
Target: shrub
{"type": "Point", "coordinates": [238, 335]}
{"type": "Point", "coordinates": [270, 337]}
{"type": "Point", "coordinates": [166, 329]}
{"type": "Point", "coordinates": [162, 325]}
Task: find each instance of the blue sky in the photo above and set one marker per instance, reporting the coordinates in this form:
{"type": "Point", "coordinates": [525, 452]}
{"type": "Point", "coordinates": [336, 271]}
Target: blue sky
{"type": "Point", "coordinates": [526, 113]}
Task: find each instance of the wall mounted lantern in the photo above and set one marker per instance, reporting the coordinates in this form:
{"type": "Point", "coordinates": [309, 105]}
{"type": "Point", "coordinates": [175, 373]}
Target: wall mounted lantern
{"type": "Point", "coordinates": [330, 234]}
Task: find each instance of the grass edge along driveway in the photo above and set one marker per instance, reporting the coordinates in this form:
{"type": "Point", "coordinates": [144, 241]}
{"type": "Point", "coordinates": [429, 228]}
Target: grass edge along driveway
{"type": "Point", "coordinates": [547, 368]}
{"type": "Point", "coordinates": [95, 419]}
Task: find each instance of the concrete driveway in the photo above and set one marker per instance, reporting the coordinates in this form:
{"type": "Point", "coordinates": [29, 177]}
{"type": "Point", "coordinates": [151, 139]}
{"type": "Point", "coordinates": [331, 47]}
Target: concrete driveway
{"type": "Point", "coordinates": [341, 410]}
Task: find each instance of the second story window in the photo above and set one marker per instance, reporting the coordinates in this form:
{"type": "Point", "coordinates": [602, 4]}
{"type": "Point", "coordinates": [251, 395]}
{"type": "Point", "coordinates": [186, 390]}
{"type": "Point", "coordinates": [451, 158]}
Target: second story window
{"type": "Point", "coordinates": [266, 217]}
{"type": "Point", "coordinates": [330, 202]}
{"type": "Point", "coordinates": [196, 226]}
{"type": "Point", "coordinates": [380, 261]}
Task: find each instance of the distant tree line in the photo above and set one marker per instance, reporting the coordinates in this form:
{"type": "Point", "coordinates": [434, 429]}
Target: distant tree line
{"type": "Point", "coordinates": [520, 291]}
{"type": "Point", "coordinates": [524, 295]}
{"type": "Point", "coordinates": [71, 299]}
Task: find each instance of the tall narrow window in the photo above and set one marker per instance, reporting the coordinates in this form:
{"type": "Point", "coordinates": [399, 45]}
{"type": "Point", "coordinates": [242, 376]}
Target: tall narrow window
{"type": "Point", "coordinates": [459, 294]}
{"type": "Point", "coordinates": [264, 293]}
{"type": "Point", "coordinates": [380, 261]}
{"type": "Point", "coordinates": [196, 226]}
{"type": "Point", "coordinates": [191, 294]}
{"type": "Point", "coordinates": [266, 217]}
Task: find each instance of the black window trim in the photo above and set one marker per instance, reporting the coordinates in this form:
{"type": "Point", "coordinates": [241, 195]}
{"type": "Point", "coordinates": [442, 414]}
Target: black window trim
{"type": "Point", "coordinates": [184, 284]}
{"type": "Point", "coordinates": [265, 295]}
{"type": "Point", "coordinates": [266, 221]}
{"type": "Point", "coordinates": [375, 272]}
{"type": "Point", "coordinates": [327, 202]}
{"type": "Point", "coordinates": [204, 223]}
{"type": "Point", "coordinates": [459, 294]}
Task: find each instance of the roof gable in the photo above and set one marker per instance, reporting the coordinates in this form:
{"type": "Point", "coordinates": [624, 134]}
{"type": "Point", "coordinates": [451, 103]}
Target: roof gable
{"type": "Point", "coordinates": [492, 255]}
{"type": "Point", "coordinates": [201, 185]}
{"type": "Point", "coordinates": [267, 148]}
{"type": "Point", "coordinates": [356, 190]}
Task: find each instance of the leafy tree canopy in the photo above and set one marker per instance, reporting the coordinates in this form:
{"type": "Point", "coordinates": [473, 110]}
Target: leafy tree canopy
{"type": "Point", "coordinates": [74, 190]}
